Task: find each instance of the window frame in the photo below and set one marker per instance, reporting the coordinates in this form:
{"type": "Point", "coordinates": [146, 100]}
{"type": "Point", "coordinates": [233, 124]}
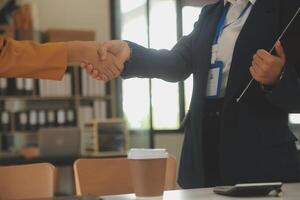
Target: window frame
{"type": "Point", "coordinates": [116, 34]}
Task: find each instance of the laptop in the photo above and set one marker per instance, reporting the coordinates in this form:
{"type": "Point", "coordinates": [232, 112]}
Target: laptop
{"type": "Point", "coordinates": [59, 142]}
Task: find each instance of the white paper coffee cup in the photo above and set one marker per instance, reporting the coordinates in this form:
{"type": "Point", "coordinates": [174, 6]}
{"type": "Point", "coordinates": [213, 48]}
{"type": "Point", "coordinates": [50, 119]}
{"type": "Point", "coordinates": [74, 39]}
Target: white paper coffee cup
{"type": "Point", "coordinates": [148, 171]}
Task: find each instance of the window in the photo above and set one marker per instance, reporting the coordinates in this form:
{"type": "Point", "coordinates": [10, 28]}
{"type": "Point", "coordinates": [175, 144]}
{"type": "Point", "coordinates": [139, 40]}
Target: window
{"type": "Point", "coordinates": [151, 103]}
{"type": "Point", "coordinates": [294, 119]}
{"type": "Point", "coordinates": [163, 35]}
{"type": "Point", "coordinates": [136, 95]}
{"type": "Point", "coordinates": [189, 17]}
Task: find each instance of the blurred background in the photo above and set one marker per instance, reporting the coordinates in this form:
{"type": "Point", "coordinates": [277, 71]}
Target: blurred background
{"type": "Point", "coordinates": [93, 118]}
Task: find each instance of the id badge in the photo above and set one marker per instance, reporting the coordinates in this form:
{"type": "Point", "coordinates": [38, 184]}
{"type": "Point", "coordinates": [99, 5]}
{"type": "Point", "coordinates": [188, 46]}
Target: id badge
{"type": "Point", "coordinates": [214, 80]}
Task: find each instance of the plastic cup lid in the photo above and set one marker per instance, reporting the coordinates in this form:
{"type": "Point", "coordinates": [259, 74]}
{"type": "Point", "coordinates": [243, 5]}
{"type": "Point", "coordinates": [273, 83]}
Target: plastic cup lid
{"type": "Point", "coordinates": [138, 154]}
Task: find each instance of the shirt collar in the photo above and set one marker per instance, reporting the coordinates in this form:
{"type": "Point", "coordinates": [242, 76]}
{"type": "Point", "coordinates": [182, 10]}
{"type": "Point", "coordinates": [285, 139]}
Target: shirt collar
{"type": "Point", "coordinates": [226, 1]}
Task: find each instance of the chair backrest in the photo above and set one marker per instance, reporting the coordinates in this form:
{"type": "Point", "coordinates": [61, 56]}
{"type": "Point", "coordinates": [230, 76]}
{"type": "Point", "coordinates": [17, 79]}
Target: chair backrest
{"type": "Point", "coordinates": [27, 181]}
{"type": "Point", "coordinates": [112, 176]}
{"type": "Point", "coordinates": [171, 173]}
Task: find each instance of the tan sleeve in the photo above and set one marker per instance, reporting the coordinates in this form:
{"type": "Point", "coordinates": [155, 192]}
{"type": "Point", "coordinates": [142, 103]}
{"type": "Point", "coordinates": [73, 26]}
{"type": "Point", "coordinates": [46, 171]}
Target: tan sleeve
{"type": "Point", "coordinates": [31, 60]}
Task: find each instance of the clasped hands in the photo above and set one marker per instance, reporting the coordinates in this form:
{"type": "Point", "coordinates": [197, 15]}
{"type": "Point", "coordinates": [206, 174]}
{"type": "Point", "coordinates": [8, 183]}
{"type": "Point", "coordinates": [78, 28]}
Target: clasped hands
{"type": "Point", "coordinates": [266, 68]}
{"type": "Point", "coordinates": [102, 61]}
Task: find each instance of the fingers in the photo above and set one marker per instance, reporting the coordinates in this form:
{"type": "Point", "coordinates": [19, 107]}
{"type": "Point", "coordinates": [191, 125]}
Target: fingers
{"type": "Point", "coordinates": [92, 71]}
{"type": "Point", "coordinates": [95, 73]}
{"type": "Point", "coordinates": [102, 51]}
{"type": "Point", "coordinates": [254, 74]}
{"type": "Point", "coordinates": [107, 72]}
{"type": "Point", "coordinates": [257, 75]}
{"type": "Point", "coordinates": [125, 53]}
{"type": "Point", "coordinates": [116, 65]}
{"type": "Point", "coordinates": [111, 67]}
{"type": "Point", "coordinates": [267, 68]}
{"type": "Point", "coordinates": [279, 50]}
{"type": "Point", "coordinates": [257, 69]}
{"type": "Point", "coordinates": [109, 46]}
{"type": "Point", "coordinates": [100, 73]}
{"type": "Point", "coordinates": [83, 65]}
{"type": "Point", "coordinates": [265, 56]}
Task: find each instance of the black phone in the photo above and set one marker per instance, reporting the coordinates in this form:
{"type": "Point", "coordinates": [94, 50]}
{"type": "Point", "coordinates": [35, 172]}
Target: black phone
{"type": "Point", "coordinates": [250, 189]}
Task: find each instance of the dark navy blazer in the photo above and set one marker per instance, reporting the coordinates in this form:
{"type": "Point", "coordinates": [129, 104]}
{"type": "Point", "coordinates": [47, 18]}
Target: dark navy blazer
{"type": "Point", "coordinates": [256, 142]}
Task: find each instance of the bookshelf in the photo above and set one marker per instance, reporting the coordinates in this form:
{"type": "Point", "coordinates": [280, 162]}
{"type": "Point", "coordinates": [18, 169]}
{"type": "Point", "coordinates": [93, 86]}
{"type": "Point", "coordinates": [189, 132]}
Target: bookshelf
{"type": "Point", "coordinates": [26, 105]}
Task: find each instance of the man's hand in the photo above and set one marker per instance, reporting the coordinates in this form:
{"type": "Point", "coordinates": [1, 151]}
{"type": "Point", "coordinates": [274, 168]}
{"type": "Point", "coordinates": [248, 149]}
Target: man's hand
{"type": "Point", "coordinates": [266, 68]}
{"type": "Point", "coordinates": [105, 70]}
{"type": "Point", "coordinates": [88, 54]}
{"type": "Point", "coordinates": [119, 49]}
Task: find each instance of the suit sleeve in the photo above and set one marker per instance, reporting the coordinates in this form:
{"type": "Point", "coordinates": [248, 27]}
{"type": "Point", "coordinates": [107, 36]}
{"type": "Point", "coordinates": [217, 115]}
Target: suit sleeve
{"type": "Point", "coordinates": [286, 94]}
{"type": "Point", "coordinates": [31, 60]}
{"type": "Point", "coordinates": [170, 65]}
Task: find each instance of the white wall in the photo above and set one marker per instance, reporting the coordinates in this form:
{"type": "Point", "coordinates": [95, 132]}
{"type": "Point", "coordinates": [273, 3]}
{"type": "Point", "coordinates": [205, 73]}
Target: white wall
{"type": "Point", "coordinates": [72, 14]}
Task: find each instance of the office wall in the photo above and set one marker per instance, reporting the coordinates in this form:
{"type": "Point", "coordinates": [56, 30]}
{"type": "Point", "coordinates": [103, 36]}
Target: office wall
{"type": "Point", "coordinates": [72, 14]}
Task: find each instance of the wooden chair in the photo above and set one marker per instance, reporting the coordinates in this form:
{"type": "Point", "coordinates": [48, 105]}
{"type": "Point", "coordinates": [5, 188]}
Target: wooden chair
{"type": "Point", "coordinates": [27, 181]}
{"type": "Point", "coordinates": [112, 176]}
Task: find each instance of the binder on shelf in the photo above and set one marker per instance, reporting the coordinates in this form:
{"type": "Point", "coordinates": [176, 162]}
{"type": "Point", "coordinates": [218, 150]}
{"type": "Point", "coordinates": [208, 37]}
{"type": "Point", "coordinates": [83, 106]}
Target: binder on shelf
{"type": "Point", "coordinates": [86, 114]}
{"type": "Point", "coordinates": [42, 119]}
{"type": "Point", "coordinates": [33, 120]}
{"type": "Point", "coordinates": [63, 88]}
{"type": "Point", "coordinates": [12, 86]}
{"type": "Point", "coordinates": [19, 86]}
{"type": "Point", "coordinates": [71, 117]}
{"type": "Point", "coordinates": [51, 119]}
{"type": "Point", "coordinates": [5, 128]}
{"type": "Point", "coordinates": [70, 80]}
{"type": "Point", "coordinates": [29, 86]}
{"type": "Point", "coordinates": [92, 87]}
{"type": "Point", "coordinates": [5, 118]}
{"type": "Point", "coordinates": [61, 117]}
{"type": "Point", "coordinates": [84, 84]}
{"type": "Point", "coordinates": [100, 109]}
{"type": "Point", "coordinates": [3, 86]}
{"type": "Point", "coordinates": [22, 121]}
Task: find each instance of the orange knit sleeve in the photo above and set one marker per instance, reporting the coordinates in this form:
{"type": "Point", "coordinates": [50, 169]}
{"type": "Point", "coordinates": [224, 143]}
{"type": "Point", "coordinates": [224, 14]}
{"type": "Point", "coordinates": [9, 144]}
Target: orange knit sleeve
{"type": "Point", "coordinates": [32, 60]}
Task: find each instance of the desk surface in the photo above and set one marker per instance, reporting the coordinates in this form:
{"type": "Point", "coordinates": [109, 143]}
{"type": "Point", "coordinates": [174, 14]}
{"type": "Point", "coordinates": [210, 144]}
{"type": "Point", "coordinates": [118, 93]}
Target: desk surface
{"type": "Point", "coordinates": [290, 192]}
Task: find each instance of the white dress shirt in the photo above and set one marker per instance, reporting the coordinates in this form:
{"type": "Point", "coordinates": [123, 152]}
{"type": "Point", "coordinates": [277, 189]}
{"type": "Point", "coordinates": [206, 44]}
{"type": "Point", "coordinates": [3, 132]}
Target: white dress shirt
{"type": "Point", "coordinates": [229, 35]}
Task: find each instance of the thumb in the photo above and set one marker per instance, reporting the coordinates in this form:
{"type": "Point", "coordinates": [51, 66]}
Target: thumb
{"type": "Point", "coordinates": [102, 51]}
{"type": "Point", "coordinates": [125, 54]}
{"type": "Point", "coordinates": [279, 50]}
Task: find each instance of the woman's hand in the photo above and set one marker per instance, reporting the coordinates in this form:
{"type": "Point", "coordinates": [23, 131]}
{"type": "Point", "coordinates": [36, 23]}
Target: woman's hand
{"type": "Point", "coordinates": [266, 68]}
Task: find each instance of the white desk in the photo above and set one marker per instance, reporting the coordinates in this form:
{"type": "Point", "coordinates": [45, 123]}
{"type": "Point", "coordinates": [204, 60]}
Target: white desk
{"type": "Point", "coordinates": [290, 192]}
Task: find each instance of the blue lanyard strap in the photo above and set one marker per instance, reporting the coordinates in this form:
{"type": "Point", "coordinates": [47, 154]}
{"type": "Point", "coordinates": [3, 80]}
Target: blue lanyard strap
{"type": "Point", "coordinates": [221, 24]}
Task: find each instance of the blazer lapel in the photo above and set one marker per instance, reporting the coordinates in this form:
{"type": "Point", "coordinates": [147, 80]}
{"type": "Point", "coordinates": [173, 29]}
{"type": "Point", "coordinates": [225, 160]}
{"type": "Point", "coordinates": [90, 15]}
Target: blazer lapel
{"type": "Point", "coordinates": [201, 54]}
{"type": "Point", "coordinates": [259, 32]}
{"type": "Point", "coordinates": [203, 45]}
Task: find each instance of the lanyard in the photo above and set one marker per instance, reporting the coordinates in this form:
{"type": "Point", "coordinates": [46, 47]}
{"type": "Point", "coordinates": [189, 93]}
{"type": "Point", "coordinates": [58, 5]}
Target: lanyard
{"type": "Point", "coordinates": [221, 24]}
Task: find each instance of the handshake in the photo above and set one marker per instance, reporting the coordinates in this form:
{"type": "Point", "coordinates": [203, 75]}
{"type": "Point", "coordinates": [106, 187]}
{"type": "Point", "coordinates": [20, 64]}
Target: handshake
{"type": "Point", "coordinates": [102, 61]}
